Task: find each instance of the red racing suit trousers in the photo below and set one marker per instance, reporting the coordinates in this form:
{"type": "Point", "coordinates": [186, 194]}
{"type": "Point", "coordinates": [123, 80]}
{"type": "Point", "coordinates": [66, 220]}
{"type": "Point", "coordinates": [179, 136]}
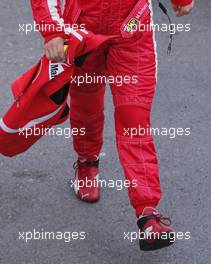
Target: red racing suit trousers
{"type": "Point", "coordinates": [131, 58]}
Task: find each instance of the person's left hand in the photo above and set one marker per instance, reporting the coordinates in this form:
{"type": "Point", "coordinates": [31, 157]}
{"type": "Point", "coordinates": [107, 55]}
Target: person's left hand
{"type": "Point", "coordinates": [183, 10]}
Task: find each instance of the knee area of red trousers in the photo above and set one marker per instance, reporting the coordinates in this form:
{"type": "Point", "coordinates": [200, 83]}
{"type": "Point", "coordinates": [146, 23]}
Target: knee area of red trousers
{"type": "Point", "coordinates": [92, 125]}
{"type": "Point", "coordinates": [86, 105]}
{"type": "Point", "coordinates": [132, 120]}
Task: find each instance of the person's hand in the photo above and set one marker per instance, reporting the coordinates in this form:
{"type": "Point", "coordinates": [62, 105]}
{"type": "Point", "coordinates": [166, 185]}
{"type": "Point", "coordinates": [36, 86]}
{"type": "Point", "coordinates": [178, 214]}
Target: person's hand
{"type": "Point", "coordinates": [54, 50]}
{"type": "Point", "coordinates": [183, 10]}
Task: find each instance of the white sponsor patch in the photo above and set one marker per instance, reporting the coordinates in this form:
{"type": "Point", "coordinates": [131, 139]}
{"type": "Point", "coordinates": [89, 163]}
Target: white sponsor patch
{"type": "Point", "coordinates": [55, 69]}
{"type": "Point", "coordinates": [148, 230]}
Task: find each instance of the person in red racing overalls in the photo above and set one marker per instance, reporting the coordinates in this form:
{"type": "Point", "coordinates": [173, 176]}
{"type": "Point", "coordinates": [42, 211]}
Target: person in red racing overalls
{"type": "Point", "coordinates": [132, 56]}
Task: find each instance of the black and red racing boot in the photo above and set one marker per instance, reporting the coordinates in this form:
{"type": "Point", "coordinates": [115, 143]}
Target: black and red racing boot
{"type": "Point", "coordinates": [155, 231]}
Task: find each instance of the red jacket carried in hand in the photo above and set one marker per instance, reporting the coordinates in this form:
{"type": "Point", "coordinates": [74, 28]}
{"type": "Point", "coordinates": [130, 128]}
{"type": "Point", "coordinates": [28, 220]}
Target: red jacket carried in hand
{"type": "Point", "coordinates": [41, 96]}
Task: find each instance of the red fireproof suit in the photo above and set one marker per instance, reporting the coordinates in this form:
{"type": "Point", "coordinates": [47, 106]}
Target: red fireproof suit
{"type": "Point", "coordinates": [129, 55]}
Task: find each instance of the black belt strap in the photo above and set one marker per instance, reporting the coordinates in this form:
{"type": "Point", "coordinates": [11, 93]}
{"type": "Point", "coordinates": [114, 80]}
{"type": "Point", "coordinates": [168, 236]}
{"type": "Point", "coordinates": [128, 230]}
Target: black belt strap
{"type": "Point", "coordinates": [165, 11]}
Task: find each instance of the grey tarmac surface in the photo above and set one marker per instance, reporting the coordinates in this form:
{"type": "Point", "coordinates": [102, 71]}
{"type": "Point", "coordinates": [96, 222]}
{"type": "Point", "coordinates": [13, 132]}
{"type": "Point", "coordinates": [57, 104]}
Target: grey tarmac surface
{"type": "Point", "coordinates": [33, 187]}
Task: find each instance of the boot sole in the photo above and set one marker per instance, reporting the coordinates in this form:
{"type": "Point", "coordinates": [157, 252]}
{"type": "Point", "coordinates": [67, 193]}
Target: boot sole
{"type": "Point", "coordinates": [157, 244]}
{"type": "Point", "coordinates": [87, 201]}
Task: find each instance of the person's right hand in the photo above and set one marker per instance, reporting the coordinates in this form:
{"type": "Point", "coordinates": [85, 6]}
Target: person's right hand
{"type": "Point", "coordinates": [54, 50]}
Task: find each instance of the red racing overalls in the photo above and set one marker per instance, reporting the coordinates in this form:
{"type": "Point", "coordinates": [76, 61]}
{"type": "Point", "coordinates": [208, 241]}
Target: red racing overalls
{"type": "Point", "coordinates": [130, 56]}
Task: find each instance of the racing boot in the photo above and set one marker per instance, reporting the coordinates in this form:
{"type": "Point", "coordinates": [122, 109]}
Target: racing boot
{"type": "Point", "coordinates": [86, 185]}
{"type": "Point", "coordinates": [155, 231]}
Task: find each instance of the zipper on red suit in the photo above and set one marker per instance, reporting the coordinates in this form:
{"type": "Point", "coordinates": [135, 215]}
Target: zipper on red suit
{"type": "Point", "coordinates": [17, 99]}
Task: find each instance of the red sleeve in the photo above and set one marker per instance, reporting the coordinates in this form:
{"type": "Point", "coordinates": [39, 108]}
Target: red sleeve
{"type": "Point", "coordinates": [48, 16]}
{"type": "Point", "coordinates": [181, 2]}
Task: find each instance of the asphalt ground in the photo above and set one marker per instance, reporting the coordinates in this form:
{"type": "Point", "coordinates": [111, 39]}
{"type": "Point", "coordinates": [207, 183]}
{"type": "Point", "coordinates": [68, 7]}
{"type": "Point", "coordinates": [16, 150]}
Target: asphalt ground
{"type": "Point", "coordinates": [33, 187]}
